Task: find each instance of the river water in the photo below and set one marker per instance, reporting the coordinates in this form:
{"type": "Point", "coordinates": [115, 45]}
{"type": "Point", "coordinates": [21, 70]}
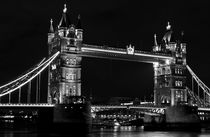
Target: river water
{"type": "Point", "coordinates": [130, 131]}
{"type": "Point", "coordinates": [126, 131]}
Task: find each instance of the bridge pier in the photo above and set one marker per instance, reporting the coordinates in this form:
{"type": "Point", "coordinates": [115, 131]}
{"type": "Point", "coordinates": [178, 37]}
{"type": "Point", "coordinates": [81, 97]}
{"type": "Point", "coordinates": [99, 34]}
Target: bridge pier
{"type": "Point", "coordinates": [64, 87]}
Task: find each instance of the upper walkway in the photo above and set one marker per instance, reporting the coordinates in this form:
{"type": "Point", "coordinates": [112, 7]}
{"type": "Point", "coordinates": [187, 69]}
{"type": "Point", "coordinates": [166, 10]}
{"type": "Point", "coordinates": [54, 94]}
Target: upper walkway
{"type": "Point", "coordinates": [128, 54]}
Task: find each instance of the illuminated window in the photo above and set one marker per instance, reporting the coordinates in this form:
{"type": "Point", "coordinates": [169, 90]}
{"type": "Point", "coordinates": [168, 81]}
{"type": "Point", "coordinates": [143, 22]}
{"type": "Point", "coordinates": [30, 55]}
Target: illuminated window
{"type": "Point", "coordinates": [74, 90]}
{"type": "Point", "coordinates": [79, 35]}
{"type": "Point", "coordinates": [74, 61]}
{"type": "Point", "coordinates": [61, 33]}
{"type": "Point", "coordinates": [67, 90]}
{"type": "Point", "coordinates": [178, 70]}
{"type": "Point", "coordinates": [67, 61]}
{"type": "Point", "coordinates": [167, 70]}
{"type": "Point", "coordinates": [70, 76]}
{"type": "Point", "coordinates": [178, 83]}
{"type": "Point", "coordinates": [79, 74]}
{"type": "Point", "coordinates": [179, 95]}
{"type": "Point", "coordinates": [159, 72]}
{"type": "Point", "coordinates": [167, 83]}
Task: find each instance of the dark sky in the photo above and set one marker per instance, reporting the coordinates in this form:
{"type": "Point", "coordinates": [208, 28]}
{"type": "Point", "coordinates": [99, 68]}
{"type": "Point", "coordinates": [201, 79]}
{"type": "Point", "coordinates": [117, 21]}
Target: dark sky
{"type": "Point", "coordinates": [23, 38]}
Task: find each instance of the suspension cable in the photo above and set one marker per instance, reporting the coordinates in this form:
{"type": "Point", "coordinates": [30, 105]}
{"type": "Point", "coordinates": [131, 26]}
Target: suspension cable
{"type": "Point", "coordinates": [40, 63]}
{"type": "Point", "coordinates": [42, 66]}
{"type": "Point", "coordinates": [200, 83]}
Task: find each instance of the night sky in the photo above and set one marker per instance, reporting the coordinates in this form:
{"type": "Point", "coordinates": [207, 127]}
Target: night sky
{"type": "Point", "coordinates": [24, 25]}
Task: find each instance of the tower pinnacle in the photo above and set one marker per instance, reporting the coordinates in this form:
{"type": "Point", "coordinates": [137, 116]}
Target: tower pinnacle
{"type": "Point", "coordinates": [167, 36]}
{"type": "Point", "coordinates": [65, 21]}
{"type": "Point", "coordinates": [155, 40]}
{"type": "Point", "coordinates": [64, 9]}
{"type": "Point", "coordinates": [79, 25]}
{"type": "Point", "coordinates": [168, 27]}
{"type": "Point", "coordinates": [51, 26]}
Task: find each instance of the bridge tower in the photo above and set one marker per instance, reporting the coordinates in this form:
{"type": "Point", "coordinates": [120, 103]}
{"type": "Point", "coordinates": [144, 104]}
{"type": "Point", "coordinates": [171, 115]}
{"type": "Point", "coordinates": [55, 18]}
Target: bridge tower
{"type": "Point", "coordinates": [170, 76]}
{"type": "Point", "coordinates": [64, 77]}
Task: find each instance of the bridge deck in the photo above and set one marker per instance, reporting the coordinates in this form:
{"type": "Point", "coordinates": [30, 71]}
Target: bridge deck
{"type": "Point", "coordinates": [27, 105]}
{"type": "Point", "coordinates": [120, 54]}
{"type": "Point", "coordinates": [93, 106]}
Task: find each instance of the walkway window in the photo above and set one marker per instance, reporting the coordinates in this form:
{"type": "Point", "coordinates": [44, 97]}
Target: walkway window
{"type": "Point", "coordinates": [70, 76]}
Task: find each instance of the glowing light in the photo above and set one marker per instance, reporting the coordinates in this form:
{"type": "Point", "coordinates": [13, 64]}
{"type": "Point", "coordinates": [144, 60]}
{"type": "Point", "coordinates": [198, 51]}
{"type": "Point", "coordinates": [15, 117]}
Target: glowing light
{"type": "Point", "coordinates": [88, 49]}
{"type": "Point", "coordinates": [53, 67]}
{"type": "Point", "coordinates": [155, 64]}
{"type": "Point", "coordinates": [102, 50]}
{"type": "Point", "coordinates": [65, 9]}
{"type": "Point", "coordinates": [167, 62]}
{"type": "Point", "coordinates": [168, 27]}
{"type": "Point", "coordinates": [130, 49]}
{"type": "Point", "coordinates": [27, 105]}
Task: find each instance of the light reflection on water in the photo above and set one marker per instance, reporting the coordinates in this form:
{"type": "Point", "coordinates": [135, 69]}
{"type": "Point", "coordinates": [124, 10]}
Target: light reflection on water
{"type": "Point", "coordinates": [130, 131]}
{"type": "Point", "coordinates": [123, 131]}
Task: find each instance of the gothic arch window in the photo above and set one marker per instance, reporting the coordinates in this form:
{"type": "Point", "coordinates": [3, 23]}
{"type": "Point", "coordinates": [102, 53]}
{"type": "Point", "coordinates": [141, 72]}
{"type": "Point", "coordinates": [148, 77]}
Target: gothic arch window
{"type": "Point", "coordinates": [74, 90]}
{"type": "Point", "coordinates": [67, 61]}
{"type": "Point", "coordinates": [74, 61]}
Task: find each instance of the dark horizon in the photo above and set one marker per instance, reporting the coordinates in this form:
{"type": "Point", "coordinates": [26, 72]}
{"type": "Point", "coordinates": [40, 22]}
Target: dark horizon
{"type": "Point", "coordinates": [25, 24]}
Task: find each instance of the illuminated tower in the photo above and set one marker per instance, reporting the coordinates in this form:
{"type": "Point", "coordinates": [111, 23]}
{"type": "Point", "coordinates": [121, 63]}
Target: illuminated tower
{"type": "Point", "coordinates": [170, 76]}
{"type": "Point", "coordinates": [64, 82]}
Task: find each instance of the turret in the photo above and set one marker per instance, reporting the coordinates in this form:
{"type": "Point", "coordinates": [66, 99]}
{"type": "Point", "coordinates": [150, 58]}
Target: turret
{"type": "Point", "coordinates": [156, 47]}
{"type": "Point", "coordinates": [64, 23]}
{"type": "Point", "coordinates": [79, 32]}
{"type": "Point", "coordinates": [64, 85]}
{"type": "Point", "coordinates": [51, 32]}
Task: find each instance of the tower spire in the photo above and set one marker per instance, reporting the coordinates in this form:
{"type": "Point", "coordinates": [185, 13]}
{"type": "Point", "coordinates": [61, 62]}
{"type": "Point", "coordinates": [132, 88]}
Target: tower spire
{"type": "Point", "coordinates": [51, 26]}
{"type": "Point", "coordinates": [79, 24]}
{"type": "Point", "coordinates": [64, 9]}
{"type": "Point", "coordinates": [155, 40]}
{"type": "Point", "coordinates": [167, 36]}
{"type": "Point", "coordinates": [168, 27]}
{"type": "Point", "coordinates": [65, 21]}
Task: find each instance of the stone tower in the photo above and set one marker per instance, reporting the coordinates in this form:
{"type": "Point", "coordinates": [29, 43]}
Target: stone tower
{"type": "Point", "coordinates": [64, 77]}
{"type": "Point", "coordinates": [170, 76]}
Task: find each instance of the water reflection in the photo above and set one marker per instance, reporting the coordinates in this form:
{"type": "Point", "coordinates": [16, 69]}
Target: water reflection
{"type": "Point", "coordinates": [132, 131]}
{"type": "Point", "coordinates": [117, 131]}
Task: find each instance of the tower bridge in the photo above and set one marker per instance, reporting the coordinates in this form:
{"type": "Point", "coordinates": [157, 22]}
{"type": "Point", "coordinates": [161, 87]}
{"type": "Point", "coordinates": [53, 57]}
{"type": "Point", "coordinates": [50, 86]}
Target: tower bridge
{"type": "Point", "coordinates": [128, 54]}
{"type": "Point", "coordinates": [66, 50]}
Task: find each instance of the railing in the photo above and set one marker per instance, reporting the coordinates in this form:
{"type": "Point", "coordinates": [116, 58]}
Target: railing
{"type": "Point", "coordinates": [204, 100]}
{"type": "Point", "coordinates": [197, 100]}
{"type": "Point", "coordinates": [124, 50]}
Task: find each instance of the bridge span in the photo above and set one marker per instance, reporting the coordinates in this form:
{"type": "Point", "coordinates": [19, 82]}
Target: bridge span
{"type": "Point", "coordinates": [66, 50]}
{"type": "Point", "coordinates": [128, 54]}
